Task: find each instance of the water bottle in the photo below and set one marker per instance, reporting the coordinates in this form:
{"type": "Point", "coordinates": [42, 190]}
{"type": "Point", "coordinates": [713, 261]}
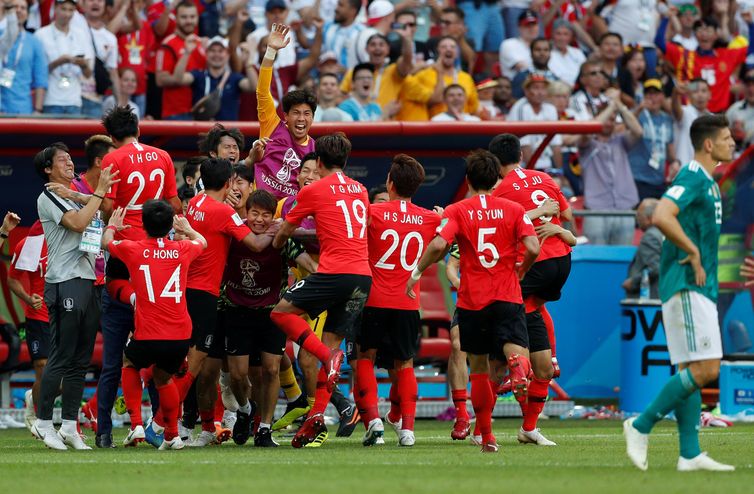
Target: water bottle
{"type": "Point", "coordinates": [644, 285]}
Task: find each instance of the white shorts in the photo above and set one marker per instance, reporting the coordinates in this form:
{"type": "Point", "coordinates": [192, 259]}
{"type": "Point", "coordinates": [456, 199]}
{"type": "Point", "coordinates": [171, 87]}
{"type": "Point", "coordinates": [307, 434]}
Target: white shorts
{"type": "Point", "coordinates": [691, 328]}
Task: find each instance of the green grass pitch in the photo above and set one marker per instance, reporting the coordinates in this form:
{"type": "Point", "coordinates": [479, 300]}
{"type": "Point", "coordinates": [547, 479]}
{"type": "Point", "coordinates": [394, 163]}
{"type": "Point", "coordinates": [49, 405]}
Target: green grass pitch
{"type": "Point", "coordinates": [589, 458]}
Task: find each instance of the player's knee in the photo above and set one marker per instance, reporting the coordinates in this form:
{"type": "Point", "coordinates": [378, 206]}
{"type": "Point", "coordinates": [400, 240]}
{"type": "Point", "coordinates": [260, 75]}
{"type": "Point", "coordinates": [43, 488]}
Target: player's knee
{"type": "Point", "coordinates": [270, 372]}
{"type": "Point", "coordinates": [544, 372]}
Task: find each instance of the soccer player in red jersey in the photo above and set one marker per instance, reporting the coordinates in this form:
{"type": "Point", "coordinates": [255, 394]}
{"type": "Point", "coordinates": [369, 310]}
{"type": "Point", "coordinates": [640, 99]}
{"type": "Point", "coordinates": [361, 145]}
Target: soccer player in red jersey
{"type": "Point", "coordinates": [340, 207]}
{"type": "Point", "coordinates": [544, 281]}
{"type": "Point", "coordinates": [29, 264]}
{"type": "Point", "coordinates": [162, 334]}
{"type": "Point", "coordinates": [398, 231]}
{"type": "Point", "coordinates": [489, 231]}
{"type": "Point", "coordinates": [219, 224]}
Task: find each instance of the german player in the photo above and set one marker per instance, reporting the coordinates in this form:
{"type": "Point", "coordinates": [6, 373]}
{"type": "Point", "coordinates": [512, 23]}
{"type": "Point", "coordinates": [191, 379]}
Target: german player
{"type": "Point", "coordinates": [689, 214]}
{"type": "Point", "coordinates": [162, 333]}
{"type": "Point", "coordinates": [544, 281]}
{"type": "Point", "coordinates": [340, 207]}
{"type": "Point", "coordinates": [219, 224]}
{"type": "Point", "coordinates": [397, 233]}
{"type": "Point", "coordinates": [289, 139]}
{"type": "Point", "coordinates": [489, 231]}
{"type": "Point", "coordinates": [147, 173]}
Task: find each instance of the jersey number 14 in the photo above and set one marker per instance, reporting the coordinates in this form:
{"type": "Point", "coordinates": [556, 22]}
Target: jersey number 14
{"type": "Point", "coordinates": [172, 288]}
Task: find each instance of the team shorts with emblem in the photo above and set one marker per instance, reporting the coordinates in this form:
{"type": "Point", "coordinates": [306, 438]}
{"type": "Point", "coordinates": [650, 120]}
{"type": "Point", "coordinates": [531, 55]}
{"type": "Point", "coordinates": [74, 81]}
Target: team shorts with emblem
{"type": "Point", "coordinates": [167, 355]}
{"type": "Point", "coordinates": [485, 331]}
{"type": "Point", "coordinates": [342, 295]}
{"type": "Point", "coordinates": [202, 308]}
{"type": "Point", "coordinates": [250, 331]}
{"type": "Point", "coordinates": [691, 328]}
{"type": "Point", "coordinates": [37, 339]}
{"type": "Point", "coordinates": [546, 278]}
{"type": "Point", "coordinates": [395, 328]}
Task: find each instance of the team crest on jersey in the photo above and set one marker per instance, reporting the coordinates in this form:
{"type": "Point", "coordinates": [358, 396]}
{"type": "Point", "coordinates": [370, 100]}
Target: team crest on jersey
{"type": "Point", "coordinates": [208, 341]}
{"type": "Point", "coordinates": [34, 346]}
{"type": "Point", "coordinates": [676, 191]}
{"type": "Point", "coordinates": [248, 268]}
{"type": "Point", "coordinates": [442, 224]}
{"type": "Point", "coordinates": [291, 161]}
{"type": "Point", "coordinates": [68, 304]}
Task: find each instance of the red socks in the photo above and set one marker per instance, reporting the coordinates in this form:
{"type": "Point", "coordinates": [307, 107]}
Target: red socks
{"type": "Point", "coordinates": [483, 401]}
{"type": "Point", "coordinates": [547, 319]}
{"type": "Point", "coordinates": [92, 403]}
{"type": "Point", "coordinates": [538, 389]}
{"type": "Point", "coordinates": [132, 392]}
{"type": "Point", "coordinates": [183, 384]}
{"type": "Point", "coordinates": [459, 402]}
{"type": "Point", "coordinates": [219, 407]}
{"type": "Point", "coordinates": [322, 395]}
{"type": "Point", "coordinates": [408, 391]}
{"type": "Point", "coordinates": [395, 402]}
{"type": "Point", "coordinates": [208, 420]}
{"type": "Point", "coordinates": [169, 406]}
{"type": "Point", "coordinates": [298, 330]}
{"type": "Point", "coordinates": [367, 390]}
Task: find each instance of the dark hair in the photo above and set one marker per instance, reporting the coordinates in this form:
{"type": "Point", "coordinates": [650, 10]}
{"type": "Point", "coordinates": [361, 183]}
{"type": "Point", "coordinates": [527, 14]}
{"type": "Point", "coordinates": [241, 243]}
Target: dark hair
{"type": "Point", "coordinates": [43, 159]}
{"type": "Point", "coordinates": [506, 148]}
{"type": "Point", "coordinates": [706, 21]}
{"type": "Point", "coordinates": [299, 97]}
{"type": "Point", "coordinates": [406, 12]}
{"type": "Point", "coordinates": [185, 4]}
{"type": "Point", "coordinates": [244, 172]}
{"type": "Point", "coordinates": [539, 40]}
{"type": "Point", "coordinates": [706, 127]}
{"type": "Point", "coordinates": [407, 175]}
{"type": "Point", "coordinates": [452, 86]}
{"type": "Point", "coordinates": [608, 35]}
{"type": "Point", "coordinates": [157, 217]}
{"type": "Point", "coordinates": [379, 36]}
{"type": "Point", "coordinates": [327, 74]}
{"type": "Point", "coordinates": [211, 141]}
{"type": "Point", "coordinates": [482, 170]}
{"type": "Point", "coordinates": [697, 80]}
{"type": "Point", "coordinates": [333, 150]}
{"type": "Point", "coordinates": [192, 166]}
{"type": "Point", "coordinates": [95, 147]}
{"type": "Point", "coordinates": [215, 173]}
{"type": "Point", "coordinates": [362, 66]}
{"type": "Point", "coordinates": [355, 4]}
{"type": "Point", "coordinates": [309, 157]}
{"type": "Point", "coordinates": [121, 122]}
{"type": "Point", "coordinates": [263, 200]}
{"type": "Point", "coordinates": [454, 10]}
{"type": "Point", "coordinates": [375, 191]}
{"type": "Point", "coordinates": [443, 38]}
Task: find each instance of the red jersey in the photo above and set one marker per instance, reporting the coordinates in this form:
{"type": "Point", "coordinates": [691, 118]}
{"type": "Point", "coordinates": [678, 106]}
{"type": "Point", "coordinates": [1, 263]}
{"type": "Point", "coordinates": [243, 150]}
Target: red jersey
{"type": "Point", "coordinates": [177, 99]}
{"type": "Point", "coordinates": [219, 224]}
{"type": "Point", "coordinates": [530, 188]}
{"type": "Point", "coordinates": [488, 231]}
{"type": "Point", "coordinates": [715, 68]}
{"type": "Point", "coordinates": [340, 206]}
{"type": "Point", "coordinates": [398, 231]}
{"type": "Point", "coordinates": [146, 172]}
{"type": "Point", "coordinates": [36, 279]}
{"type": "Point", "coordinates": [158, 269]}
{"type": "Point", "coordinates": [136, 51]}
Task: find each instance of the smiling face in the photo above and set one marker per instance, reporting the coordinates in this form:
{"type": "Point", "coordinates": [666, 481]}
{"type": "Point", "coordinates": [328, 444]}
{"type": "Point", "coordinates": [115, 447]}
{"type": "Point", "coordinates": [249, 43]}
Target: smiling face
{"type": "Point", "coordinates": [186, 18]}
{"type": "Point", "coordinates": [241, 189]}
{"type": "Point", "coordinates": [259, 219]}
{"type": "Point", "coordinates": [217, 56]}
{"type": "Point", "coordinates": [636, 65]}
{"type": "Point", "coordinates": [308, 174]}
{"type": "Point", "coordinates": [447, 51]}
{"type": "Point", "coordinates": [363, 80]}
{"type": "Point", "coordinates": [611, 48]}
{"type": "Point", "coordinates": [378, 50]}
{"type": "Point", "coordinates": [299, 120]}
{"type": "Point", "coordinates": [455, 99]}
{"type": "Point", "coordinates": [328, 90]}
{"type": "Point", "coordinates": [61, 167]}
{"type": "Point", "coordinates": [227, 149]}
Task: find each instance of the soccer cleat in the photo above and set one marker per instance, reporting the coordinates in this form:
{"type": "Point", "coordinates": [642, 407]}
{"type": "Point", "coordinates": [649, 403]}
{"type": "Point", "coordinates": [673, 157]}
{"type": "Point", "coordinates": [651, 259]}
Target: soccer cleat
{"type": "Point", "coordinates": [461, 430]}
{"type": "Point", "coordinates": [380, 441]}
{"type": "Point", "coordinates": [90, 415]}
{"type": "Point", "coordinates": [406, 438]}
{"type": "Point", "coordinates": [476, 439]}
{"type": "Point", "coordinates": [319, 440]}
{"type": "Point", "coordinates": [395, 425]}
{"type": "Point", "coordinates": [533, 437]}
{"type": "Point", "coordinates": [333, 368]}
{"type": "Point", "coordinates": [104, 441]}
{"type": "Point", "coordinates": [295, 409]}
{"type": "Point", "coordinates": [312, 427]}
{"type": "Point", "coordinates": [175, 443]}
{"type": "Point", "coordinates": [11, 423]}
{"type": "Point", "coordinates": [263, 439]}
{"type": "Point", "coordinates": [51, 438]}
{"type": "Point", "coordinates": [375, 431]}
{"type": "Point", "coordinates": [348, 420]}
{"type": "Point", "coordinates": [37, 432]}
{"type": "Point", "coordinates": [184, 433]}
{"type": "Point", "coordinates": [555, 368]}
{"type": "Point", "coordinates": [490, 448]}
{"type": "Point", "coordinates": [242, 429]}
{"type": "Point", "coordinates": [153, 437]}
{"type": "Point", "coordinates": [134, 437]}
{"type": "Point", "coordinates": [206, 438]}
{"type": "Point", "coordinates": [519, 369]}
{"type": "Point", "coordinates": [222, 434]}
{"type": "Point", "coordinates": [73, 440]}
{"type": "Point", "coordinates": [29, 415]}
{"type": "Point", "coordinates": [229, 419]}
{"type": "Point", "coordinates": [505, 387]}
{"type": "Point", "coordinates": [636, 444]}
{"type": "Point", "coordinates": [702, 462]}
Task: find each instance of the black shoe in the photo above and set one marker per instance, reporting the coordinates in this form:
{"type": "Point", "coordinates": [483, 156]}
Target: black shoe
{"type": "Point", "coordinates": [263, 439]}
{"type": "Point", "coordinates": [104, 441]}
{"type": "Point", "coordinates": [348, 420]}
{"type": "Point", "coordinates": [242, 428]}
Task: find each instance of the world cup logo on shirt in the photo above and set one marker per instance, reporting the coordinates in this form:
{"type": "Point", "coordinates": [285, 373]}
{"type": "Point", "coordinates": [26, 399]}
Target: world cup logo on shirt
{"type": "Point", "coordinates": [291, 161]}
{"type": "Point", "coordinates": [248, 268]}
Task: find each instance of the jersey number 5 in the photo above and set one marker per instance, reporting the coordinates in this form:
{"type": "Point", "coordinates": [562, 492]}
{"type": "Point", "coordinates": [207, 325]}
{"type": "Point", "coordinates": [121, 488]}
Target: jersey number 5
{"type": "Point", "coordinates": [482, 246]}
{"type": "Point", "coordinates": [172, 288]}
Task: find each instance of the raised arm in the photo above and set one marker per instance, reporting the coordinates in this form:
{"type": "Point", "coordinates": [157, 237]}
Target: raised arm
{"type": "Point", "coordinates": [77, 221]}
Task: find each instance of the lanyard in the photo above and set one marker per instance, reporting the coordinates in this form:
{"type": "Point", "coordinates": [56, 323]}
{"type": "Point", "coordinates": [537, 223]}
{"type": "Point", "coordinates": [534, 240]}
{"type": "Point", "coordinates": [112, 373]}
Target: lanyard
{"type": "Point", "coordinates": [656, 140]}
{"type": "Point", "coordinates": [377, 82]}
{"type": "Point", "coordinates": [18, 51]}
{"type": "Point", "coordinates": [220, 86]}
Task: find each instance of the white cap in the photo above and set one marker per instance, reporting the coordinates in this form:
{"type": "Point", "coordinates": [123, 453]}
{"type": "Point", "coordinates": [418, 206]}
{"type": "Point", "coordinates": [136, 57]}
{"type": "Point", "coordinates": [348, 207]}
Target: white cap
{"type": "Point", "coordinates": [379, 9]}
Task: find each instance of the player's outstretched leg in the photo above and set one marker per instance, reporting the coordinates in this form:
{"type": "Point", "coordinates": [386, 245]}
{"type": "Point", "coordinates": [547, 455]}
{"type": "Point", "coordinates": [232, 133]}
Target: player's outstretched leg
{"type": "Point", "coordinates": [458, 379]}
{"type": "Point", "coordinates": [132, 393]}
